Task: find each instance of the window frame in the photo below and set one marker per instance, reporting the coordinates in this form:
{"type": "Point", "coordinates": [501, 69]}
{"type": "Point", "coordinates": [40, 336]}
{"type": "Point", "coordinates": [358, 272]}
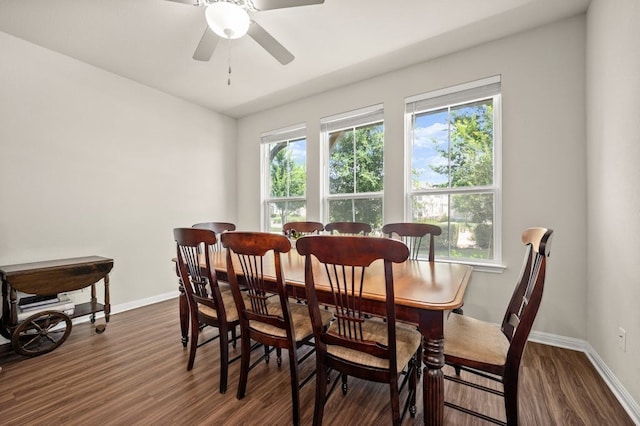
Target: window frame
{"type": "Point", "coordinates": [287, 135]}
{"type": "Point", "coordinates": [347, 120]}
{"type": "Point", "coordinates": [451, 97]}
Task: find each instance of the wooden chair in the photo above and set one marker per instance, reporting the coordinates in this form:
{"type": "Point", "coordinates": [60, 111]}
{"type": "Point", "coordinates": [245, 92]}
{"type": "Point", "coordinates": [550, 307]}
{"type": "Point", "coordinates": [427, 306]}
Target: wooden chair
{"type": "Point", "coordinates": [355, 345]}
{"type": "Point", "coordinates": [348, 228]}
{"type": "Point", "coordinates": [412, 234]}
{"type": "Point", "coordinates": [218, 228]}
{"type": "Point", "coordinates": [272, 321]}
{"type": "Point", "coordinates": [302, 228]}
{"type": "Point", "coordinates": [494, 351]}
{"type": "Point", "coordinates": [207, 303]}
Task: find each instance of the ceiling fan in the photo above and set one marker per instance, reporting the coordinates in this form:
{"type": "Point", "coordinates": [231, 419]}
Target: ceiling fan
{"type": "Point", "coordinates": [230, 19]}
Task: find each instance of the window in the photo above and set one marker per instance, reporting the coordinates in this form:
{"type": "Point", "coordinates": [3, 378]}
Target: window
{"type": "Point", "coordinates": [284, 177]}
{"type": "Point", "coordinates": [354, 169]}
{"type": "Point", "coordinates": [453, 175]}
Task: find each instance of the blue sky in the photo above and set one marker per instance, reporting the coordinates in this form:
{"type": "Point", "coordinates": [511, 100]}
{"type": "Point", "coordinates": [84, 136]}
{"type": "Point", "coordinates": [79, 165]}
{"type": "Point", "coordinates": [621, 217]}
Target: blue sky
{"type": "Point", "coordinates": [429, 127]}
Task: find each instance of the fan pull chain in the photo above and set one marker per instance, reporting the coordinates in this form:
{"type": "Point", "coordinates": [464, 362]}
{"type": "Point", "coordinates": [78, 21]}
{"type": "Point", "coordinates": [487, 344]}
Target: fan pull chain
{"type": "Point", "coordinates": [229, 60]}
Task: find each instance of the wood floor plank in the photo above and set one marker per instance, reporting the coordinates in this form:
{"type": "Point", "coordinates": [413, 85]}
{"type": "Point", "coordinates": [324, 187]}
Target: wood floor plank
{"type": "Point", "coordinates": [135, 374]}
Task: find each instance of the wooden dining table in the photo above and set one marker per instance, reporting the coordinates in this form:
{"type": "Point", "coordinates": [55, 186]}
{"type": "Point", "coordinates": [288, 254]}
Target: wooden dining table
{"type": "Point", "coordinates": [425, 292]}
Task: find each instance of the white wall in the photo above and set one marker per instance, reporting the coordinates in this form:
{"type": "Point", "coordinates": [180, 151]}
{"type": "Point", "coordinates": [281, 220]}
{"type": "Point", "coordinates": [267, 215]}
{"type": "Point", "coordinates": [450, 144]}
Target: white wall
{"type": "Point", "coordinates": [543, 80]}
{"type": "Point", "coordinates": [94, 164]}
{"type": "Point", "coordinates": [613, 164]}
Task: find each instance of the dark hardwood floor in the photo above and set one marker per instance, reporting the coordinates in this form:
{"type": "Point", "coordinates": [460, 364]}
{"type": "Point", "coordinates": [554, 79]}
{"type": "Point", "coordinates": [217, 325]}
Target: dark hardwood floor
{"type": "Point", "coordinates": [135, 373]}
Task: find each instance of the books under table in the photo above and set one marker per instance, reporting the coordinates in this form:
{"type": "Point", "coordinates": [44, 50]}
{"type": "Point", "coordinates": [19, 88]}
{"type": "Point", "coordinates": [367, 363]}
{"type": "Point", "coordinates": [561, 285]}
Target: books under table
{"type": "Point", "coordinates": [60, 302]}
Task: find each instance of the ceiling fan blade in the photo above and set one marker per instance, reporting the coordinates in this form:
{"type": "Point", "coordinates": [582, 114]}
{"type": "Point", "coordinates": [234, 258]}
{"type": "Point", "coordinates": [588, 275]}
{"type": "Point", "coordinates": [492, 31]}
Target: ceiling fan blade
{"type": "Point", "coordinates": [206, 46]}
{"type": "Point", "coordinates": [270, 44]}
{"type": "Point", "coordinates": [190, 2]}
{"type": "Point", "coordinates": [281, 4]}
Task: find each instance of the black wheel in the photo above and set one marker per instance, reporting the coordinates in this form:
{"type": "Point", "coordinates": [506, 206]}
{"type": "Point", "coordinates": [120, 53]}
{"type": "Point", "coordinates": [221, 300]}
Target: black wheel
{"type": "Point", "coordinates": [41, 333]}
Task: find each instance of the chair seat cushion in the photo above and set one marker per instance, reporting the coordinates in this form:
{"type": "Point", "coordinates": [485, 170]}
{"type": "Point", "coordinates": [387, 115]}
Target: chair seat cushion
{"type": "Point", "coordinates": [468, 338]}
{"type": "Point", "coordinates": [299, 315]}
{"type": "Point", "coordinates": [408, 339]}
{"type": "Point", "coordinates": [229, 306]}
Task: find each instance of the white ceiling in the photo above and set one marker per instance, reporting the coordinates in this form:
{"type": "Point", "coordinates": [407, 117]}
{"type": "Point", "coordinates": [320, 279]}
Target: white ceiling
{"type": "Point", "coordinates": [335, 43]}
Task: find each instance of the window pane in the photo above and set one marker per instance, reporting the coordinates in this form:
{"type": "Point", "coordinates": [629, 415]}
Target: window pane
{"type": "Point", "coordinates": [430, 150]}
{"type": "Point", "coordinates": [368, 210]}
{"type": "Point", "coordinates": [453, 147]}
{"type": "Point", "coordinates": [356, 160]}
{"type": "Point", "coordinates": [287, 162]}
{"type": "Point", "coordinates": [472, 144]}
{"type": "Point", "coordinates": [281, 212]}
{"type": "Point", "coordinates": [466, 221]}
{"type": "Point", "coordinates": [369, 162]}
{"type": "Point", "coordinates": [341, 162]}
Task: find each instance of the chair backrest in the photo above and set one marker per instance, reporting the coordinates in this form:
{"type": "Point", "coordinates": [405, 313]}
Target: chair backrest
{"type": "Point", "coordinates": [525, 301]}
{"type": "Point", "coordinates": [294, 229]}
{"type": "Point", "coordinates": [344, 263]}
{"type": "Point", "coordinates": [412, 234]}
{"type": "Point", "coordinates": [200, 284]}
{"type": "Point", "coordinates": [218, 228]}
{"type": "Point", "coordinates": [250, 249]}
{"type": "Point", "coordinates": [348, 228]}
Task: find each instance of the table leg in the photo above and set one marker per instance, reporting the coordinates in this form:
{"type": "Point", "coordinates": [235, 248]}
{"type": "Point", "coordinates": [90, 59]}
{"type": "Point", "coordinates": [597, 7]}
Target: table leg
{"type": "Point", "coordinates": [184, 314]}
{"type": "Point", "coordinates": [431, 327]}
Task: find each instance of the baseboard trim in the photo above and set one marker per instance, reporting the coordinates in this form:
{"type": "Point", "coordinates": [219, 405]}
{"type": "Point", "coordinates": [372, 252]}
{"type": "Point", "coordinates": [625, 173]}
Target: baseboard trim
{"type": "Point", "coordinates": [617, 388]}
{"type": "Point", "coordinates": [123, 307]}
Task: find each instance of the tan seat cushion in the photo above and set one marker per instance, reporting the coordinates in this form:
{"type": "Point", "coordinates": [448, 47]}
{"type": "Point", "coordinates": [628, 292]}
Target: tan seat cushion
{"type": "Point", "coordinates": [408, 339]}
{"type": "Point", "coordinates": [468, 338]}
{"type": "Point", "coordinates": [229, 306]}
{"type": "Point", "coordinates": [299, 315]}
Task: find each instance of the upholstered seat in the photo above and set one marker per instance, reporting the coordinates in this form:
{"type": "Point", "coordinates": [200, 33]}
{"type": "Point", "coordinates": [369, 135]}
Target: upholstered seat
{"type": "Point", "coordinates": [475, 340]}
{"type": "Point", "coordinates": [299, 317]}
{"type": "Point", "coordinates": [407, 340]}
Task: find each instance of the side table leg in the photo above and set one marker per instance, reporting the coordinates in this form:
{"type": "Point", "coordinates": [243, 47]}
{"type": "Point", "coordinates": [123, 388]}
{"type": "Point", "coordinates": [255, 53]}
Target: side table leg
{"type": "Point", "coordinates": [107, 299]}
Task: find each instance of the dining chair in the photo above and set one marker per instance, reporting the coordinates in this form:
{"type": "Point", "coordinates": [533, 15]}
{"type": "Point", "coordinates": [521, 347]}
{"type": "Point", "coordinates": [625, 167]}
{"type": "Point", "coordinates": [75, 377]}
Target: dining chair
{"type": "Point", "coordinates": [355, 344]}
{"type": "Point", "coordinates": [412, 234]}
{"type": "Point", "coordinates": [348, 228]}
{"type": "Point", "coordinates": [267, 317]}
{"type": "Point", "coordinates": [207, 303]}
{"type": "Point", "coordinates": [494, 351]}
{"type": "Point", "coordinates": [218, 228]}
{"type": "Point", "coordinates": [291, 229]}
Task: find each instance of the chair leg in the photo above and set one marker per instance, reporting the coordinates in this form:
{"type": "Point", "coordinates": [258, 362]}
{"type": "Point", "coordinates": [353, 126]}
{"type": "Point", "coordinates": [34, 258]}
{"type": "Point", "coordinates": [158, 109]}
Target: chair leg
{"type": "Point", "coordinates": [321, 392]}
{"type": "Point", "coordinates": [279, 356]}
{"type": "Point", "coordinates": [413, 380]}
{"type": "Point", "coordinates": [419, 361]}
{"type": "Point", "coordinates": [245, 357]}
{"type": "Point", "coordinates": [295, 394]}
{"type": "Point", "coordinates": [266, 354]}
{"type": "Point", "coordinates": [511, 399]}
{"type": "Point", "coordinates": [195, 331]}
{"type": "Point", "coordinates": [345, 385]}
{"type": "Point", "coordinates": [395, 400]}
{"type": "Point", "coordinates": [233, 337]}
{"type": "Point", "coordinates": [224, 357]}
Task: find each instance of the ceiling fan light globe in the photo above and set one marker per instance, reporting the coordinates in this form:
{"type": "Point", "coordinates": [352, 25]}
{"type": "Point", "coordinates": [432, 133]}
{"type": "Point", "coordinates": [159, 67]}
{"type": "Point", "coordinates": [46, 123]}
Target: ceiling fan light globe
{"type": "Point", "coordinates": [228, 20]}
